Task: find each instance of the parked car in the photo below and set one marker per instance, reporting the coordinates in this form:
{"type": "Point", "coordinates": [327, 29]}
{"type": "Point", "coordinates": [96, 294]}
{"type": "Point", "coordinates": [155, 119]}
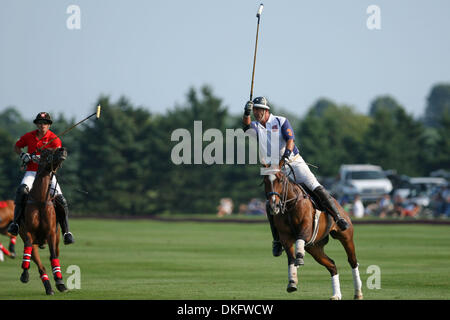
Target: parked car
{"type": "Point", "coordinates": [423, 188]}
{"type": "Point", "coordinates": [369, 181]}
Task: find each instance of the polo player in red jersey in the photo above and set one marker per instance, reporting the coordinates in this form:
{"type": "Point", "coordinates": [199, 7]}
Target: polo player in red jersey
{"type": "Point", "coordinates": [35, 140]}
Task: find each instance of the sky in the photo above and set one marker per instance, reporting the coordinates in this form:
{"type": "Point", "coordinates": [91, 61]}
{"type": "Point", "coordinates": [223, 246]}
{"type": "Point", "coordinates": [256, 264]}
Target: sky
{"type": "Point", "coordinates": [153, 51]}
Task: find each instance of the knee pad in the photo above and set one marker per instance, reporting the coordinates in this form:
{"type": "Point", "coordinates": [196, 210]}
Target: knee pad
{"type": "Point", "coordinates": [21, 192]}
{"type": "Point", "coordinates": [23, 189]}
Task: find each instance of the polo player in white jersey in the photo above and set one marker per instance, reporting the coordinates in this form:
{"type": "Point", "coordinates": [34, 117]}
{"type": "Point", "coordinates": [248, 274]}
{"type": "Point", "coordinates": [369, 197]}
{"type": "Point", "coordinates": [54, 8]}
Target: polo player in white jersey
{"type": "Point", "coordinates": [275, 131]}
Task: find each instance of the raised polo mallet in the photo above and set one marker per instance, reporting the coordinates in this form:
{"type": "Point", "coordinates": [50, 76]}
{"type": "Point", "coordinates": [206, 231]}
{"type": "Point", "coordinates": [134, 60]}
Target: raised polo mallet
{"type": "Point", "coordinates": [258, 15]}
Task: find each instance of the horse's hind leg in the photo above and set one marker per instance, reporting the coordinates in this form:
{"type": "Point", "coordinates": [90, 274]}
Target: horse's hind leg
{"type": "Point", "coordinates": [319, 255]}
{"type": "Point", "coordinates": [43, 274]}
{"type": "Point", "coordinates": [347, 242]}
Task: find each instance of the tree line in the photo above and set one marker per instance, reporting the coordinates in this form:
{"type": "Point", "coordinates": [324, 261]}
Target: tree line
{"type": "Point", "coordinates": [121, 164]}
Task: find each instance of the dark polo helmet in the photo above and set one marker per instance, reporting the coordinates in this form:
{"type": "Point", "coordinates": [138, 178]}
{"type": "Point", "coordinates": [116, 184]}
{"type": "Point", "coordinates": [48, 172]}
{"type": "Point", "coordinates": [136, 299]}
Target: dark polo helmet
{"type": "Point", "coordinates": [261, 102]}
{"type": "Point", "coordinates": [43, 116]}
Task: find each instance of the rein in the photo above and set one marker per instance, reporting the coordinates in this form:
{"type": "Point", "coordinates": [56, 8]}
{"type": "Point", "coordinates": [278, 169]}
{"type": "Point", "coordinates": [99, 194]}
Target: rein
{"type": "Point", "coordinates": [52, 174]}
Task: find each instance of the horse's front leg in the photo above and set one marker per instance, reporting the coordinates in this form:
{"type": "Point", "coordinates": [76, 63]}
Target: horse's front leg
{"type": "Point", "coordinates": [292, 268]}
{"type": "Point", "coordinates": [299, 252]}
{"type": "Point", "coordinates": [56, 268]}
{"type": "Point", "coordinates": [27, 251]}
{"type": "Point", "coordinates": [43, 274]}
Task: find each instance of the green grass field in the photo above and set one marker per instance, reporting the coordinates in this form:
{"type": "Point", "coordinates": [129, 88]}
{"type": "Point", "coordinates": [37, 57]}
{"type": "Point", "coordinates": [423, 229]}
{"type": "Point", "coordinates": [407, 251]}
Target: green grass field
{"type": "Point", "coordinates": [144, 259]}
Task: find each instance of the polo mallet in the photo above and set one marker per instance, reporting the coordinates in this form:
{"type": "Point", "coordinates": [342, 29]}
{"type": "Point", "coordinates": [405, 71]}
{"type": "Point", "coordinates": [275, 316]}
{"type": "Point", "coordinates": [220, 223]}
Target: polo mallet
{"type": "Point", "coordinates": [97, 114]}
{"type": "Point", "coordinates": [258, 15]}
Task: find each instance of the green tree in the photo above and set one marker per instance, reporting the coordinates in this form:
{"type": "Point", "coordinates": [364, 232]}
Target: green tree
{"type": "Point", "coordinates": [438, 103]}
{"type": "Point", "coordinates": [442, 151]}
{"type": "Point", "coordinates": [9, 167]}
{"type": "Point", "coordinates": [331, 135]}
{"type": "Point", "coordinates": [386, 103]}
{"type": "Point", "coordinates": [12, 121]}
{"type": "Point", "coordinates": [109, 163]}
{"type": "Point", "coordinates": [394, 141]}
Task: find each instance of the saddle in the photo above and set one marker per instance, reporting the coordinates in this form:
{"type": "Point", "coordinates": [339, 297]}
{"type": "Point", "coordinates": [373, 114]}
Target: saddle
{"type": "Point", "coordinates": [311, 196]}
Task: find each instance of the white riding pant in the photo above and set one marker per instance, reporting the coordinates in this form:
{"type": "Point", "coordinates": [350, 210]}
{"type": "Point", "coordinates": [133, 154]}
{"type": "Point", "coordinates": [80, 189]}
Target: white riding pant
{"type": "Point", "coordinates": [301, 172]}
{"type": "Point", "coordinates": [29, 177]}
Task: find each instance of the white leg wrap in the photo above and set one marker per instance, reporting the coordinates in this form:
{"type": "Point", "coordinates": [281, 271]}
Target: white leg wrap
{"type": "Point", "coordinates": [300, 247]}
{"type": "Point", "coordinates": [292, 273]}
{"type": "Point", "coordinates": [335, 285]}
{"type": "Point", "coordinates": [357, 284]}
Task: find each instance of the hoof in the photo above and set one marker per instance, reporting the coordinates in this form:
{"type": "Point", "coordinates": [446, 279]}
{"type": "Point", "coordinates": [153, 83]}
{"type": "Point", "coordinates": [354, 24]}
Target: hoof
{"type": "Point", "coordinates": [12, 255]}
{"type": "Point", "coordinates": [61, 287]}
{"type": "Point", "coordinates": [25, 276]}
{"type": "Point", "coordinates": [336, 298]}
{"type": "Point", "coordinates": [48, 288]}
{"type": "Point", "coordinates": [358, 297]}
{"type": "Point", "coordinates": [277, 248]}
{"type": "Point", "coordinates": [291, 287]}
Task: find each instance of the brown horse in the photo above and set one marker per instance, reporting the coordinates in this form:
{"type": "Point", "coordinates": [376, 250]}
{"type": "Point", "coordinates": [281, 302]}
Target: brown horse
{"type": "Point", "coordinates": [39, 225]}
{"type": "Point", "coordinates": [6, 217]}
{"type": "Point", "coordinates": [299, 222]}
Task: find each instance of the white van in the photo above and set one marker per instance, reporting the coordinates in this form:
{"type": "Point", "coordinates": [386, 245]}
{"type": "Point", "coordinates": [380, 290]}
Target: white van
{"type": "Point", "coordinates": [369, 181]}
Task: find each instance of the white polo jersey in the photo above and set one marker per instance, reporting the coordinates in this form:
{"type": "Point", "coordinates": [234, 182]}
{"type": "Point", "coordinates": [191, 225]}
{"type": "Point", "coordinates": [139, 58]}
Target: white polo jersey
{"type": "Point", "coordinates": [272, 138]}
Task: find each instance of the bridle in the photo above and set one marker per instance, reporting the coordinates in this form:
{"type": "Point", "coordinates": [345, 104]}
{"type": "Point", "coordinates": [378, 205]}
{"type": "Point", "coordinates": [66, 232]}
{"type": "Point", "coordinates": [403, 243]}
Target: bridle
{"type": "Point", "coordinates": [286, 187]}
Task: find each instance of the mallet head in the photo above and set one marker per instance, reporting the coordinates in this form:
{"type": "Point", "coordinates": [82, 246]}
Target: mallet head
{"type": "Point", "coordinates": [258, 14]}
{"type": "Point", "coordinates": [98, 111]}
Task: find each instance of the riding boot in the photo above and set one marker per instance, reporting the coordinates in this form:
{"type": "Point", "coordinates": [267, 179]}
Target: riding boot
{"type": "Point", "coordinates": [19, 202]}
{"type": "Point", "coordinates": [277, 248]}
{"type": "Point", "coordinates": [62, 215]}
{"type": "Point", "coordinates": [328, 202]}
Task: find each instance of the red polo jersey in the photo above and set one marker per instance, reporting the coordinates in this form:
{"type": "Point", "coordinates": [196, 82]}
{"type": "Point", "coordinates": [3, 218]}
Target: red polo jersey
{"type": "Point", "coordinates": [31, 141]}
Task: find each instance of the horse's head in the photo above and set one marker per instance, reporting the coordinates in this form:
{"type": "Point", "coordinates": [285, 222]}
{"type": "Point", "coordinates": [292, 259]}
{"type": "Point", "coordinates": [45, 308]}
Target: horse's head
{"type": "Point", "coordinates": [51, 159]}
{"type": "Point", "coordinates": [274, 181]}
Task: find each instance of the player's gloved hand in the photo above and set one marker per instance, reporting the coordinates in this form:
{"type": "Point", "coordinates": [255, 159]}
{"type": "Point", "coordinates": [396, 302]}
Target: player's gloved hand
{"type": "Point", "coordinates": [286, 155]}
{"type": "Point", "coordinates": [35, 158]}
{"type": "Point", "coordinates": [25, 157]}
{"type": "Point", "coordinates": [248, 108]}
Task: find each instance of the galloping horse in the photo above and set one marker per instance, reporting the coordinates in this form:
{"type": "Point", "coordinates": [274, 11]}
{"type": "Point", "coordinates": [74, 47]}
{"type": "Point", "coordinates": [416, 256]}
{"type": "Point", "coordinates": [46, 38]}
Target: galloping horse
{"type": "Point", "coordinates": [6, 217]}
{"type": "Point", "coordinates": [39, 225]}
{"type": "Point", "coordinates": [299, 222]}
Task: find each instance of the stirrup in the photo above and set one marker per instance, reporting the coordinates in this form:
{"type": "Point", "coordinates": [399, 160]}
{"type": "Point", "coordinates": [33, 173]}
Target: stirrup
{"type": "Point", "coordinates": [68, 238]}
{"type": "Point", "coordinates": [342, 224]}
